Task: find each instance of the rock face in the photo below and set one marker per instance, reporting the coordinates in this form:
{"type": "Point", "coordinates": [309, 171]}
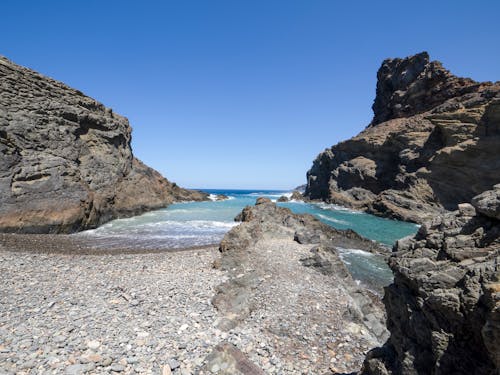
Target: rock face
{"type": "Point", "coordinates": [443, 309]}
{"type": "Point", "coordinates": [65, 159]}
{"type": "Point", "coordinates": [434, 142]}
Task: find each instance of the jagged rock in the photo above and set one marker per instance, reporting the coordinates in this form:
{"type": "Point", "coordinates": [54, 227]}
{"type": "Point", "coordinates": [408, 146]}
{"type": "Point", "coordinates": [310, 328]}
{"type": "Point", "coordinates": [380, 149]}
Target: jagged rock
{"type": "Point", "coordinates": [307, 236]}
{"type": "Point", "coordinates": [296, 196]}
{"type": "Point", "coordinates": [434, 142]}
{"type": "Point", "coordinates": [65, 159]}
{"type": "Point", "coordinates": [283, 198]}
{"type": "Point", "coordinates": [443, 309]}
{"type": "Point", "coordinates": [234, 297]}
{"type": "Point", "coordinates": [301, 297]}
{"type": "Point", "coordinates": [488, 203]}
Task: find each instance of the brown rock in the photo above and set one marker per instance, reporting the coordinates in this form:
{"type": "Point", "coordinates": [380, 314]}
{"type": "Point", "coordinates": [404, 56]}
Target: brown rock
{"type": "Point", "coordinates": [65, 159]}
{"type": "Point", "coordinates": [434, 142]}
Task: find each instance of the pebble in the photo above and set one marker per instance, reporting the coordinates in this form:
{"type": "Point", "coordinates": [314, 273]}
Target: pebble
{"type": "Point", "coordinates": [77, 369]}
{"type": "Point", "coordinates": [111, 315]}
{"type": "Point", "coordinates": [117, 367]}
{"type": "Point", "coordinates": [93, 344]}
{"type": "Point", "coordinates": [174, 364]}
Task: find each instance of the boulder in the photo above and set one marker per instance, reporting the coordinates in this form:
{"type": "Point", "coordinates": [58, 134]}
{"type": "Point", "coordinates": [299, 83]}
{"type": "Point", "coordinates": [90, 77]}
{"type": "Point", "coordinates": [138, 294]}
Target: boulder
{"type": "Point", "coordinates": [488, 203]}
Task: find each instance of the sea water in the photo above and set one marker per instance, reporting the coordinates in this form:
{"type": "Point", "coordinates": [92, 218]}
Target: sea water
{"type": "Point", "coordinates": [191, 224]}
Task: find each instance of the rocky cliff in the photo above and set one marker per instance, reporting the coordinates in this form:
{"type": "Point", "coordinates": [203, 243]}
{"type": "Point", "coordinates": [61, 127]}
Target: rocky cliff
{"type": "Point", "coordinates": [65, 159]}
{"type": "Point", "coordinates": [443, 309]}
{"type": "Point", "coordinates": [434, 142]}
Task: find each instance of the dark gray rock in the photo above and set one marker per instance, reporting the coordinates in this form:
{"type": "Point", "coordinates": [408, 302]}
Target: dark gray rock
{"type": "Point", "coordinates": [434, 142]}
{"type": "Point", "coordinates": [267, 220]}
{"type": "Point", "coordinates": [307, 236]}
{"type": "Point", "coordinates": [296, 196]}
{"type": "Point", "coordinates": [65, 159]}
{"type": "Point", "coordinates": [443, 309]}
{"type": "Point", "coordinates": [404, 85]}
{"type": "Point", "coordinates": [488, 203]}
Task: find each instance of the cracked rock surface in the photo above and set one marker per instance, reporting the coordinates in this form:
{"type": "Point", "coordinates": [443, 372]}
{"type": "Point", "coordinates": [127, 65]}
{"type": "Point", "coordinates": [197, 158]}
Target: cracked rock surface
{"type": "Point", "coordinates": [434, 142]}
{"type": "Point", "coordinates": [65, 159]}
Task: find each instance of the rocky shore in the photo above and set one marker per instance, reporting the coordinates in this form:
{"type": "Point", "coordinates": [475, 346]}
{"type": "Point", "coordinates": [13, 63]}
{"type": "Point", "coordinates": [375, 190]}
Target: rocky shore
{"type": "Point", "coordinates": [275, 298]}
{"type": "Point", "coordinates": [432, 144]}
{"type": "Point", "coordinates": [443, 309]}
{"type": "Point", "coordinates": [66, 163]}
{"type": "Point", "coordinates": [287, 285]}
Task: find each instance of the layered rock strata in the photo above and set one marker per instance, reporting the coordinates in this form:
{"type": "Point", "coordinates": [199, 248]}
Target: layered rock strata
{"type": "Point", "coordinates": [434, 142]}
{"type": "Point", "coordinates": [443, 309]}
{"type": "Point", "coordinates": [285, 280]}
{"type": "Point", "coordinates": [66, 163]}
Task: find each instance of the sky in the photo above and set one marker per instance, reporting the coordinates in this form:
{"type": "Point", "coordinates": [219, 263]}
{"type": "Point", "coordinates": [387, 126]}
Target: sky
{"type": "Point", "coordinates": [240, 93]}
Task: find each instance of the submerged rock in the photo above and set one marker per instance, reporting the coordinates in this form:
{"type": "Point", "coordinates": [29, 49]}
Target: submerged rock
{"type": "Point", "coordinates": [434, 142]}
{"type": "Point", "coordinates": [443, 309]}
{"type": "Point", "coordinates": [65, 159]}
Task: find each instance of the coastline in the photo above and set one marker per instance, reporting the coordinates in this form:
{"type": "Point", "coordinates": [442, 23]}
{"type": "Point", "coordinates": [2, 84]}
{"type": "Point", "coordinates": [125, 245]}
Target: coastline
{"type": "Point", "coordinates": [70, 309]}
{"type": "Point", "coordinates": [68, 244]}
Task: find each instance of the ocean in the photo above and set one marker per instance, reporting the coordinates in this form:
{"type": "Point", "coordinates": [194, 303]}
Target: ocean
{"type": "Point", "coordinates": [191, 224]}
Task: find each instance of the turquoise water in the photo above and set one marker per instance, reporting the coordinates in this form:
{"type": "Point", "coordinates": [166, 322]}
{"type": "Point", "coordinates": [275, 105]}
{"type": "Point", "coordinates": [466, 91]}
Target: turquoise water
{"type": "Point", "coordinates": [204, 223]}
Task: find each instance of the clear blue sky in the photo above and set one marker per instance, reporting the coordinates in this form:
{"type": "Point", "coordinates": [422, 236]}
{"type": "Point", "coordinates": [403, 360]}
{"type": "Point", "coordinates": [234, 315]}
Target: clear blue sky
{"type": "Point", "coordinates": [240, 93]}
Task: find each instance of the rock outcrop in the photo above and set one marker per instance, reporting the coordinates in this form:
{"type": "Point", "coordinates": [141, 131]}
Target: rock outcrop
{"type": "Point", "coordinates": [443, 309]}
{"type": "Point", "coordinates": [434, 142]}
{"type": "Point", "coordinates": [286, 280]}
{"type": "Point", "coordinates": [65, 159]}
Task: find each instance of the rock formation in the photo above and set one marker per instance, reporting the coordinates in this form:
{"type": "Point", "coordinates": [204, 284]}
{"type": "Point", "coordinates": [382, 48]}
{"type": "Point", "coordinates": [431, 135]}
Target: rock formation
{"type": "Point", "coordinates": [285, 279]}
{"type": "Point", "coordinates": [65, 159]}
{"type": "Point", "coordinates": [434, 142]}
{"type": "Point", "coordinates": [443, 309]}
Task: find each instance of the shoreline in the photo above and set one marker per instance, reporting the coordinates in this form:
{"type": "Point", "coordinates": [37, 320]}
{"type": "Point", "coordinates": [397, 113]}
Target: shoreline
{"type": "Point", "coordinates": [68, 244]}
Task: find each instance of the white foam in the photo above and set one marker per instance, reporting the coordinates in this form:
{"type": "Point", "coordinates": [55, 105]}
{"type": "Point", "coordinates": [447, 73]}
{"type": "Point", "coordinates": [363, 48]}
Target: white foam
{"type": "Point", "coordinates": [355, 251]}
{"type": "Point", "coordinates": [333, 220]}
{"type": "Point", "coordinates": [335, 207]}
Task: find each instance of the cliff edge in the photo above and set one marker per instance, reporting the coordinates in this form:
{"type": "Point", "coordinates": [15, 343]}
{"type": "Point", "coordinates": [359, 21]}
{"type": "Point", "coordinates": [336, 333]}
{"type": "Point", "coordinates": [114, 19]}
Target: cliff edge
{"type": "Point", "coordinates": [66, 163]}
{"type": "Point", "coordinates": [434, 142]}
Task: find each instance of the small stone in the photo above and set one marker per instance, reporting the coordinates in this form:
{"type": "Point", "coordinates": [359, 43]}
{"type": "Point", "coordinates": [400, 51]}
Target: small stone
{"type": "Point", "coordinates": [466, 209]}
{"type": "Point", "coordinates": [59, 339]}
{"type": "Point", "coordinates": [76, 369]}
{"type": "Point", "coordinates": [28, 365]}
{"type": "Point", "coordinates": [94, 344]}
{"type": "Point", "coordinates": [166, 370]}
{"type": "Point", "coordinates": [173, 363]}
{"type": "Point", "coordinates": [183, 327]}
{"type": "Point", "coordinates": [106, 362]}
{"type": "Point", "coordinates": [94, 357]}
{"type": "Point", "coordinates": [132, 360]}
{"type": "Point", "coordinates": [117, 367]}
